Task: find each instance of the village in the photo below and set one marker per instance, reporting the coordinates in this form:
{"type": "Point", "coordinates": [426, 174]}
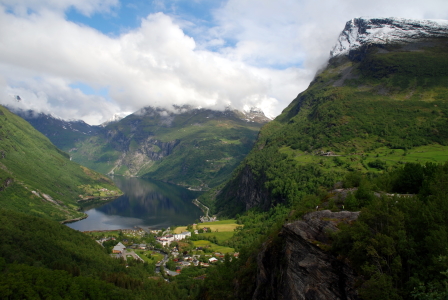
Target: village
{"type": "Point", "coordinates": [173, 249]}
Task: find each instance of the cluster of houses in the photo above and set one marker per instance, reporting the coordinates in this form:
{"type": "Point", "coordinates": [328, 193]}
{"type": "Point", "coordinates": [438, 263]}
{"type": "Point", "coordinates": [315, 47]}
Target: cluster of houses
{"type": "Point", "coordinates": [167, 239]}
{"type": "Point", "coordinates": [194, 260]}
{"type": "Point", "coordinates": [134, 232]}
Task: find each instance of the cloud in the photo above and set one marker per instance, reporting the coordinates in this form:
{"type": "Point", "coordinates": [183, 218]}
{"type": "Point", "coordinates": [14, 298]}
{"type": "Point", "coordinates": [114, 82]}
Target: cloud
{"type": "Point", "coordinates": [290, 32]}
{"type": "Point", "coordinates": [156, 64]}
{"type": "Point", "coordinates": [258, 53]}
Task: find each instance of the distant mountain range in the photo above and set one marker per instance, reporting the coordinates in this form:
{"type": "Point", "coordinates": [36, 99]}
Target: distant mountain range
{"type": "Point", "coordinates": [197, 148]}
{"type": "Point", "coordinates": [62, 133]}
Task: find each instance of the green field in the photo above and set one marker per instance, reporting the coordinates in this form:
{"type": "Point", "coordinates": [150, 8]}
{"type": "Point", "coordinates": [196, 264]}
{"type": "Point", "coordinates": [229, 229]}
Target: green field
{"type": "Point", "coordinates": [360, 161]}
{"type": "Point", "coordinates": [220, 236]}
{"type": "Point", "coordinates": [213, 247]}
{"type": "Point", "coordinates": [218, 226]}
{"type": "Point", "coordinates": [143, 254]}
{"type": "Point", "coordinates": [221, 222]}
{"type": "Point", "coordinates": [99, 234]}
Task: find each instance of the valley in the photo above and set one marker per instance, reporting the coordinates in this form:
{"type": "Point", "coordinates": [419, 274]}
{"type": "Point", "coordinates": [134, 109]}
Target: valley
{"type": "Point", "coordinates": [343, 195]}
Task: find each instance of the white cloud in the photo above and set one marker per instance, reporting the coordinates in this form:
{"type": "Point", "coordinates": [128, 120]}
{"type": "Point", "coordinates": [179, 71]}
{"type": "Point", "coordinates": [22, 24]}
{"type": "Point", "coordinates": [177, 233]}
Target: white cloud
{"type": "Point", "coordinates": [261, 53]}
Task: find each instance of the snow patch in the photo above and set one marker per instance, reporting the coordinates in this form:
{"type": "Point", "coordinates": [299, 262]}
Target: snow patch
{"type": "Point", "coordinates": [362, 31]}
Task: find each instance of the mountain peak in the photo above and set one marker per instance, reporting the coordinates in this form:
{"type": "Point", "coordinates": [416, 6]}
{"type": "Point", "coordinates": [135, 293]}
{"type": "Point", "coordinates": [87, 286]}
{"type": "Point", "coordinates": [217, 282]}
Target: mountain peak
{"type": "Point", "coordinates": [362, 31]}
{"type": "Point", "coordinates": [115, 118]}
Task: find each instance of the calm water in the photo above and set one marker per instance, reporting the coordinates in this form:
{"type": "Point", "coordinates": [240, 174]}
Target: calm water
{"type": "Point", "coordinates": [145, 203]}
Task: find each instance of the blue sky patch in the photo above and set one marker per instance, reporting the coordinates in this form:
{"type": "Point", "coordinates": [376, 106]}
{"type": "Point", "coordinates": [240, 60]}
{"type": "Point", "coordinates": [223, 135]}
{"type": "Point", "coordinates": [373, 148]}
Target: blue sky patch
{"type": "Point", "coordinates": [129, 13]}
{"type": "Point", "coordinates": [88, 90]}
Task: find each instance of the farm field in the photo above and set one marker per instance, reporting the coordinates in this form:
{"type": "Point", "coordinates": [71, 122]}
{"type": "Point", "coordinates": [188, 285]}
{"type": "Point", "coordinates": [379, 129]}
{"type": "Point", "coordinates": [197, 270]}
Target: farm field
{"type": "Point", "coordinates": [220, 236]}
{"type": "Point", "coordinates": [213, 247]}
{"type": "Point", "coordinates": [218, 226]}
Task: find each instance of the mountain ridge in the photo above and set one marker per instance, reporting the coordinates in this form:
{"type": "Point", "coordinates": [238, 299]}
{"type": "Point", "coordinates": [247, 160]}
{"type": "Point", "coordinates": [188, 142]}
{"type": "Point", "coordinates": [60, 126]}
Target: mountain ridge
{"type": "Point", "coordinates": [378, 99]}
{"type": "Point", "coordinates": [364, 31]}
{"type": "Point", "coordinates": [192, 147]}
{"type": "Point", "coordinates": [38, 178]}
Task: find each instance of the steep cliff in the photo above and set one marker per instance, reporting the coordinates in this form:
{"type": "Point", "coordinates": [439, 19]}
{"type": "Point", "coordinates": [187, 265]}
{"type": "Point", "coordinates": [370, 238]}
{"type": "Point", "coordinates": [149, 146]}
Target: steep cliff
{"type": "Point", "coordinates": [382, 100]}
{"type": "Point", "coordinates": [294, 266]}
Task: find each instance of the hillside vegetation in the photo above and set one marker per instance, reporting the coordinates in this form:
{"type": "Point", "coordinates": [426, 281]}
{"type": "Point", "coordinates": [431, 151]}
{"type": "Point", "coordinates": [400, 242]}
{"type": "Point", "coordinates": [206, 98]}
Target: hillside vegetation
{"type": "Point", "coordinates": [197, 148]}
{"type": "Point", "coordinates": [39, 179]}
{"type": "Point", "coordinates": [373, 125]}
{"type": "Point", "coordinates": [63, 134]}
{"type": "Point", "coordinates": [54, 261]}
{"type": "Point", "coordinates": [385, 107]}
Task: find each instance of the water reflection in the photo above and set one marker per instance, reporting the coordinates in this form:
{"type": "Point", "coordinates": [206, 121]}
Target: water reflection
{"type": "Point", "coordinates": [145, 203]}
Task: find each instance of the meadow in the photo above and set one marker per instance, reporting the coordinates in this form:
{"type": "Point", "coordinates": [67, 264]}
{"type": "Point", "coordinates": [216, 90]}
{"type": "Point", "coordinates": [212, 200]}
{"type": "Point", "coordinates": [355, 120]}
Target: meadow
{"type": "Point", "coordinates": [213, 247]}
{"type": "Point", "coordinates": [223, 226]}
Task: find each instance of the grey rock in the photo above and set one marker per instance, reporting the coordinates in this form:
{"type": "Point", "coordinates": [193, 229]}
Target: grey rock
{"type": "Point", "coordinates": [295, 267]}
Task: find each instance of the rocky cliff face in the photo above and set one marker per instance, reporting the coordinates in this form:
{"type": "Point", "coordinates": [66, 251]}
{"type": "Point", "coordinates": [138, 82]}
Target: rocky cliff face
{"type": "Point", "coordinates": [147, 152]}
{"type": "Point", "coordinates": [295, 267]}
{"type": "Point", "coordinates": [249, 193]}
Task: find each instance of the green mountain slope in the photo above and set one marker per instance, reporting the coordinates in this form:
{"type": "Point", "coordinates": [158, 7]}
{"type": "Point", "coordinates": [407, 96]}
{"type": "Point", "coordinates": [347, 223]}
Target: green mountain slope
{"type": "Point", "coordinates": [63, 134]}
{"type": "Point", "coordinates": [198, 148]}
{"type": "Point", "coordinates": [368, 138]}
{"type": "Point", "coordinates": [39, 179]}
{"type": "Point", "coordinates": [379, 107]}
{"type": "Point", "coordinates": [41, 259]}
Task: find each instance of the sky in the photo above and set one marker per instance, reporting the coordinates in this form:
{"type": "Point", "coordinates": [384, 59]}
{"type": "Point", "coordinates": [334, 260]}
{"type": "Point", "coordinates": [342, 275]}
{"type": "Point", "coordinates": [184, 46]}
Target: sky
{"type": "Point", "coordinates": [91, 59]}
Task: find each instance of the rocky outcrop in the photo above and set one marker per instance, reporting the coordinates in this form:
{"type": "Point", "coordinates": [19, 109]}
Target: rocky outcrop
{"type": "Point", "coordinates": [247, 191]}
{"type": "Point", "coordinates": [294, 265]}
{"type": "Point", "coordinates": [139, 160]}
{"type": "Point", "coordinates": [364, 31]}
{"type": "Point", "coordinates": [163, 148]}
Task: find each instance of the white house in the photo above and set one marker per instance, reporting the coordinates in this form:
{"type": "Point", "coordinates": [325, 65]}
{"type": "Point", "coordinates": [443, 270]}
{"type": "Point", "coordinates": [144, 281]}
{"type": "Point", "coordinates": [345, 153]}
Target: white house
{"type": "Point", "coordinates": [212, 260]}
{"type": "Point", "coordinates": [181, 236]}
{"type": "Point", "coordinates": [166, 240]}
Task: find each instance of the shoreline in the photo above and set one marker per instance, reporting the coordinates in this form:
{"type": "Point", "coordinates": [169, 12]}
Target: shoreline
{"type": "Point", "coordinates": [89, 201]}
{"type": "Point", "coordinates": [83, 200]}
{"type": "Point", "coordinates": [74, 220]}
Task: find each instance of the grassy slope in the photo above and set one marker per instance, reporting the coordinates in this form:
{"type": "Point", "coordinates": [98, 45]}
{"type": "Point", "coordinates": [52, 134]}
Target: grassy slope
{"type": "Point", "coordinates": [63, 134]}
{"type": "Point", "coordinates": [210, 145]}
{"type": "Point", "coordinates": [31, 163]}
{"type": "Point", "coordinates": [213, 247]}
{"type": "Point", "coordinates": [391, 106]}
{"type": "Point", "coordinates": [41, 258]}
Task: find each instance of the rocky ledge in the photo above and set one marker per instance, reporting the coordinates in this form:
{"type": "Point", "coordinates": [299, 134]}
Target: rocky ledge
{"type": "Point", "coordinates": [294, 265]}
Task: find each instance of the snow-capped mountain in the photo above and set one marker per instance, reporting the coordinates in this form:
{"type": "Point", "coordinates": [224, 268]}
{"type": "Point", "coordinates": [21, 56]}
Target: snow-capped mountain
{"type": "Point", "coordinates": [115, 118]}
{"type": "Point", "coordinates": [362, 31]}
{"type": "Point", "coordinates": [255, 114]}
